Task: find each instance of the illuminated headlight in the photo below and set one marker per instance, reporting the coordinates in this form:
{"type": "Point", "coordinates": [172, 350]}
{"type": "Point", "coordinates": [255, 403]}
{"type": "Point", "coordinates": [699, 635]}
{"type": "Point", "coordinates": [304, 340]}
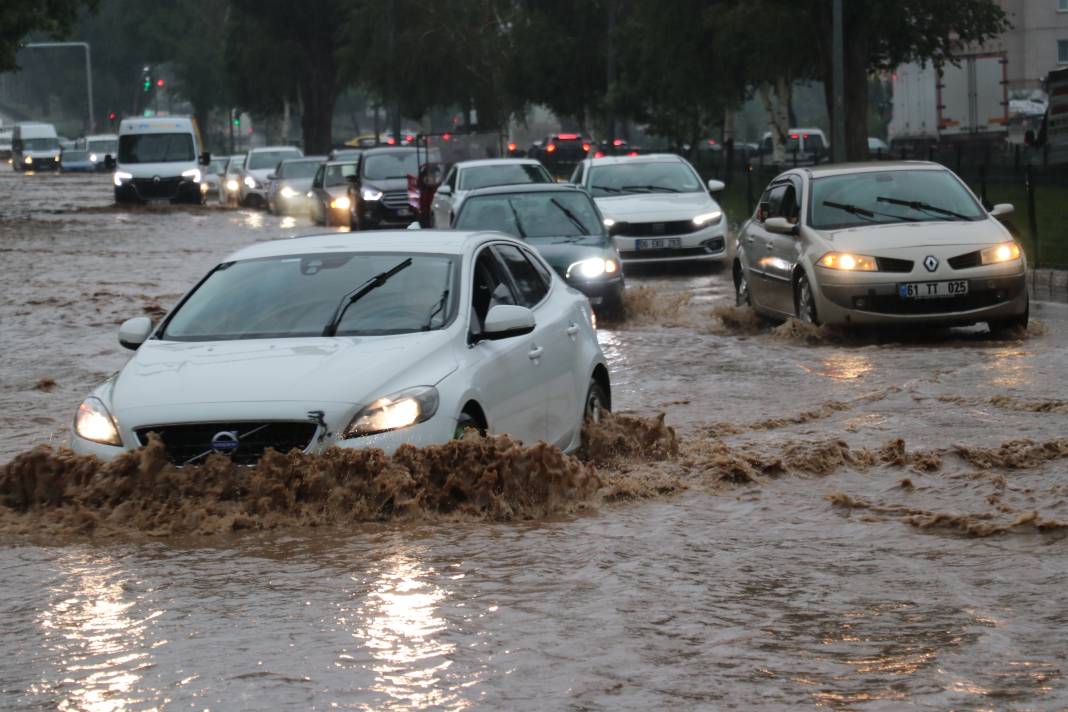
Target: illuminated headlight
{"type": "Point", "coordinates": [120, 176]}
{"type": "Point", "coordinates": [94, 422]}
{"type": "Point", "coordinates": [609, 222]}
{"type": "Point", "coordinates": [370, 194]}
{"type": "Point", "coordinates": [192, 174]}
{"type": "Point", "coordinates": [92, 157]}
{"type": "Point", "coordinates": [1005, 252]}
{"type": "Point", "coordinates": [592, 268]}
{"type": "Point", "coordinates": [711, 218]}
{"type": "Point", "coordinates": [28, 159]}
{"type": "Point", "coordinates": [55, 157]}
{"type": "Point", "coordinates": [393, 412]}
{"type": "Point", "coordinates": [341, 202]}
{"type": "Point", "coordinates": [288, 193]}
{"type": "Point", "coordinates": [250, 182]}
{"type": "Point", "coordinates": [847, 262]}
{"type": "Point", "coordinates": [231, 185]}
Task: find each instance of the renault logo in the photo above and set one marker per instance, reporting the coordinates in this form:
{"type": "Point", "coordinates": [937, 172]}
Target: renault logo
{"type": "Point", "coordinates": [225, 441]}
{"type": "Point", "coordinates": [155, 179]}
{"type": "Point", "coordinates": [930, 262]}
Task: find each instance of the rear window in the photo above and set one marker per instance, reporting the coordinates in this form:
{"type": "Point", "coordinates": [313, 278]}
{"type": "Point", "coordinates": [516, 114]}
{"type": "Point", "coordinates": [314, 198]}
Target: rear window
{"type": "Point", "coordinates": [503, 174]}
{"type": "Point", "coordinates": [269, 159]}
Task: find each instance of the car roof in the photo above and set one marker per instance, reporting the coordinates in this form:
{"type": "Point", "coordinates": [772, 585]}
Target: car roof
{"type": "Point", "coordinates": [525, 188]}
{"type": "Point", "coordinates": [643, 158]}
{"type": "Point", "coordinates": [102, 137]}
{"type": "Point", "coordinates": [305, 159]}
{"type": "Point", "coordinates": [498, 162]}
{"type": "Point", "coordinates": [450, 242]}
{"type": "Point", "coordinates": [837, 169]}
{"type": "Point", "coordinates": [388, 149]}
{"type": "Point", "coordinates": [260, 149]}
{"type": "Point", "coordinates": [341, 162]}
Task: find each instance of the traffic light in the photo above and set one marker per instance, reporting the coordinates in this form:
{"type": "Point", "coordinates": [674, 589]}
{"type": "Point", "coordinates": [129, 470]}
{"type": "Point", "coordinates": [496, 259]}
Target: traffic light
{"type": "Point", "coordinates": [112, 116]}
{"type": "Point", "coordinates": [160, 83]}
{"type": "Point", "coordinates": [148, 83]}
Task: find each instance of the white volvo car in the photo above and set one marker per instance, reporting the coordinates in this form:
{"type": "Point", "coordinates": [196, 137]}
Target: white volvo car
{"type": "Point", "coordinates": [392, 338]}
{"type": "Point", "coordinates": [656, 208]}
{"type": "Point", "coordinates": [878, 243]}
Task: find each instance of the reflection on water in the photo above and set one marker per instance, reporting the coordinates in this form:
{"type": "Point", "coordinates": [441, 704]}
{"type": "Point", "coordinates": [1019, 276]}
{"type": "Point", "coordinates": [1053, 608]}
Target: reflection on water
{"type": "Point", "coordinates": [845, 366]}
{"type": "Point", "coordinates": [1010, 368]}
{"type": "Point", "coordinates": [288, 222]}
{"type": "Point", "coordinates": [253, 219]}
{"type": "Point", "coordinates": [88, 629]}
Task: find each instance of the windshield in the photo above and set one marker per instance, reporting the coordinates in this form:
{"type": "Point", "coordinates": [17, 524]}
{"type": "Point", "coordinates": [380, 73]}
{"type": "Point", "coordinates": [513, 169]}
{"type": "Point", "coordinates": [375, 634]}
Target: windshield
{"type": "Point", "coordinates": [502, 174]}
{"type": "Point", "coordinates": [299, 169]}
{"type": "Point", "coordinates": [39, 144]}
{"type": "Point", "coordinates": [338, 174]}
{"type": "Point", "coordinates": [156, 148]}
{"type": "Point", "coordinates": [643, 177]}
{"type": "Point", "coordinates": [533, 215]}
{"type": "Point", "coordinates": [937, 188]}
{"type": "Point", "coordinates": [296, 296]}
{"type": "Point", "coordinates": [385, 166]}
{"type": "Point", "coordinates": [269, 159]}
{"type": "Point", "coordinates": [104, 146]}
{"type": "Point", "coordinates": [218, 165]}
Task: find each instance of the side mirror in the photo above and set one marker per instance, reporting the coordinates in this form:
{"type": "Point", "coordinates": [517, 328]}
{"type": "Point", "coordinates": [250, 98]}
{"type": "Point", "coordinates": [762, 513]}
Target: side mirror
{"type": "Point", "coordinates": [507, 320]}
{"type": "Point", "coordinates": [205, 159]}
{"type": "Point", "coordinates": [1002, 210]}
{"type": "Point", "coordinates": [134, 332]}
{"type": "Point", "coordinates": [714, 186]}
{"type": "Point", "coordinates": [445, 190]}
{"type": "Point", "coordinates": [781, 226]}
{"type": "Point", "coordinates": [272, 176]}
{"type": "Point", "coordinates": [109, 162]}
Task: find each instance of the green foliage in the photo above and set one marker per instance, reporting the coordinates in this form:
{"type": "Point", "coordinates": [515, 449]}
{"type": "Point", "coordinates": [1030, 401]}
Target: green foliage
{"type": "Point", "coordinates": [19, 18]}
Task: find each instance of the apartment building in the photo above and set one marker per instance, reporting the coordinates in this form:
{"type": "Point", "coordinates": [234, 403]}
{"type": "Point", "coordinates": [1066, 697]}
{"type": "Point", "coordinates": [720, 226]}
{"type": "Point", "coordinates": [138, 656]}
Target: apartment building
{"type": "Point", "coordinates": [1037, 42]}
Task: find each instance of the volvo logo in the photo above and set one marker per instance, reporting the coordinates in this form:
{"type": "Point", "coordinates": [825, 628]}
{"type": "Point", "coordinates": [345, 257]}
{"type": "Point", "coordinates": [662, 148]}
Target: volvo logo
{"type": "Point", "coordinates": [155, 179]}
{"type": "Point", "coordinates": [930, 262]}
{"type": "Point", "coordinates": [225, 441]}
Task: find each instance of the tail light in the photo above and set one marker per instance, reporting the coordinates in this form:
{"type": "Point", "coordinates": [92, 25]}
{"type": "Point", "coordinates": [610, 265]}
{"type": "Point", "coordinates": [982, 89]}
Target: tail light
{"type": "Point", "coordinates": [391, 141]}
{"type": "Point", "coordinates": [632, 153]}
{"type": "Point", "coordinates": [585, 147]}
{"type": "Point", "coordinates": [511, 147]}
{"type": "Point", "coordinates": [550, 148]}
{"type": "Point", "coordinates": [567, 137]}
{"type": "Point", "coordinates": [599, 154]}
{"type": "Point", "coordinates": [446, 136]}
{"type": "Point", "coordinates": [618, 142]}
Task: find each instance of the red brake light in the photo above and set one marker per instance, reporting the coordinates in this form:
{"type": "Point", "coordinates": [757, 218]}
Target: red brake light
{"type": "Point", "coordinates": [446, 136]}
{"type": "Point", "coordinates": [711, 142]}
{"type": "Point", "coordinates": [795, 136]}
{"type": "Point", "coordinates": [567, 137]}
{"type": "Point", "coordinates": [391, 140]}
{"type": "Point", "coordinates": [804, 135]}
{"type": "Point", "coordinates": [585, 147]}
{"type": "Point", "coordinates": [633, 153]}
{"type": "Point", "coordinates": [551, 147]}
{"type": "Point", "coordinates": [511, 147]}
{"type": "Point", "coordinates": [618, 142]}
{"type": "Point", "coordinates": [599, 154]}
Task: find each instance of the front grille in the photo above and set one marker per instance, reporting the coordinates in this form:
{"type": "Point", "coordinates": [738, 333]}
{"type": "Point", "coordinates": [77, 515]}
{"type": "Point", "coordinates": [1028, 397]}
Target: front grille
{"type": "Point", "coordinates": [149, 189]}
{"type": "Point", "coordinates": [394, 199]}
{"type": "Point", "coordinates": [892, 264]}
{"type": "Point", "coordinates": [659, 254]}
{"type": "Point", "coordinates": [193, 441]}
{"type": "Point", "coordinates": [893, 304]}
{"type": "Point", "coordinates": [657, 229]}
{"type": "Point", "coordinates": [969, 259]}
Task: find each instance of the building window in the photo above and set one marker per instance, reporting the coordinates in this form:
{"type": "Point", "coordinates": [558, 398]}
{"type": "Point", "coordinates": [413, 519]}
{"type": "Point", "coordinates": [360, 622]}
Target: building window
{"type": "Point", "coordinates": [1062, 51]}
{"type": "Point", "coordinates": [1062, 5]}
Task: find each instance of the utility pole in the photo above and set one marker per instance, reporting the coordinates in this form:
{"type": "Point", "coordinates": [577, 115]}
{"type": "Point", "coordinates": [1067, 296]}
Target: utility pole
{"type": "Point", "coordinates": [88, 71]}
{"type": "Point", "coordinates": [610, 67]}
{"type": "Point", "coordinates": [838, 142]}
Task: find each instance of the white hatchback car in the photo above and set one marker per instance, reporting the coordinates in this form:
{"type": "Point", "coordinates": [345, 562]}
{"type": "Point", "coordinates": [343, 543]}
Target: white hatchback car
{"type": "Point", "coordinates": [656, 208]}
{"type": "Point", "coordinates": [879, 243]}
{"type": "Point", "coordinates": [466, 176]}
{"type": "Point", "coordinates": [392, 338]}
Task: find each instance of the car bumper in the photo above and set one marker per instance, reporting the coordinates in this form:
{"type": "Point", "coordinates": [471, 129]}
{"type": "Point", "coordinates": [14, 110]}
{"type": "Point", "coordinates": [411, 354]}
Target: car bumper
{"type": "Point", "coordinates": [599, 291]}
{"type": "Point", "coordinates": [172, 190]}
{"type": "Point", "coordinates": [288, 206]}
{"type": "Point", "coordinates": [708, 244]}
{"type": "Point", "coordinates": [377, 214]}
{"type": "Point", "coordinates": [994, 296]}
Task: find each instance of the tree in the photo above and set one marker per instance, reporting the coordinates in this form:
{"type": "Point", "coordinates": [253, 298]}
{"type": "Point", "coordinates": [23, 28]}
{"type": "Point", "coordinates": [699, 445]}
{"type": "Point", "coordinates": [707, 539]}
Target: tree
{"type": "Point", "coordinates": [19, 18]}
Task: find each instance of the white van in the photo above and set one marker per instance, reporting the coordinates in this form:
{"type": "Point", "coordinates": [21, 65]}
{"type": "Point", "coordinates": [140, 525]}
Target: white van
{"type": "Point", "coordinates": [34, 147]}
{"type": "Point", "coordinates": [159, 159]}
{"type": "Point", "coordinates": [809, 145]}
{"type": "Point", "coordinates": [100, 146]}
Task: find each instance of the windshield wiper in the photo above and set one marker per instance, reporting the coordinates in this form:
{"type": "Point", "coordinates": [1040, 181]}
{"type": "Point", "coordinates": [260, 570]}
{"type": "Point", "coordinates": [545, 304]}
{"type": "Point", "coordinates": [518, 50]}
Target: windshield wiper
{"type": "Point", "coordinates": [651, 188]}
{"type": "Point", "coordinates": [606, 188]}
{"type": "Point", "coordinates": [570, 216]}
{"type": "Point", "coordinates": [920, 205]}
{"type": "Point", "coordinates": [359, 293]}
{"type": "Point", "coordinates": [518, 222]}
{"type": "Point", "coordinates": [437, 309]}
{"type": "Point", "coordinates": [864, 212]}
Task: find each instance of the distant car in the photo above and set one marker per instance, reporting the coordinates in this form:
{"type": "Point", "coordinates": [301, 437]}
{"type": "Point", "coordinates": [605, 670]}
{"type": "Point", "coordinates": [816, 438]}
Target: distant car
{"type": "Point", "coordinates": [407, 337]}
{"type": "Point", "coordinates": [880, 243]}
{"type": "Point", "coordinates": [287, 192]}
{"type": "Point", "coordinates": [657, 208]}
{"type": "Point", "coordinates": [212, 177]}
{"type": "Point", "coordinates": [805, 145]}
{"type": "Point", "coordinates": [559, 152]}
{"type": "Point", "coordinates": [34, 147]}
{"type": "Point", "coordinates": [878, 148]}
{"type": "Point", "coordinates": [563, 224]}
{"type": "Point", "coordinates": [378, 191]}
{"type": "Point", "coordinates": [5, 144]}
{"type": "Point", "coordinates": [345, 154]}
{"type": "Point", "coordinates": [76, 162]}
{"type": "Point", "coordinates": [466, 176]}
{"type": "Point", "coordinates": [100, 146]}
{"type": "Point", "coordinates": [258, 164]}
{"type": "Point", "coordinates": [230, 180]}
{"type": "Point", "coordinates": [329, 193]}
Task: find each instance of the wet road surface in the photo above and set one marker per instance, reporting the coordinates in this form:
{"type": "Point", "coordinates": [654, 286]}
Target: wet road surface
{"type": "Point", "coordinates": [806, 559]}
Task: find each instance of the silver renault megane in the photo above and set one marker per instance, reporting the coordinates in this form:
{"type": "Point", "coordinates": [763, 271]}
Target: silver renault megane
{"type": "Point", "coordinates": [880, 243]}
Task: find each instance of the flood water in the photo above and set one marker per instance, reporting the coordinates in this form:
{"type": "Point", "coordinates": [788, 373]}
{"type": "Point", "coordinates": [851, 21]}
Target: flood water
{"type": "Point", "coordinates": [793, 554]}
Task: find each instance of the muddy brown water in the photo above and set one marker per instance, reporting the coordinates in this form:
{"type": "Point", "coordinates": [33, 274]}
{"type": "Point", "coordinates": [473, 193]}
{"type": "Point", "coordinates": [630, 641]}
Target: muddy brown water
{"type": "Point", "coordinates": [845, 521]}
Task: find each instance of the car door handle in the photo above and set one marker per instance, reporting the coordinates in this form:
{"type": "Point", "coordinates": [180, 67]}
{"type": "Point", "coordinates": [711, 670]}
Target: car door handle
{"type": "Point", "coordinates": [573, 329]}
{"type": "Point", "coordinates": [536, 352]}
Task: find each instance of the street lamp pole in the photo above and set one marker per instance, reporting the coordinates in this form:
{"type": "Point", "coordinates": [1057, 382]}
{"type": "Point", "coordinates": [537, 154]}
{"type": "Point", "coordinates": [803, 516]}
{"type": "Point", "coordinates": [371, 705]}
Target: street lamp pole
{"type": "Point", "coordinates": [88, 71]}
{"type": "Point", "coordinates": [838, 142]}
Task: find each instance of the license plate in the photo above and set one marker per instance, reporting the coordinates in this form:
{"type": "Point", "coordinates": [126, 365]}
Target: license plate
{"type": "Point", "coordinates": [658, 243]}
{"type": "Point", "coordinates": [933, 290]}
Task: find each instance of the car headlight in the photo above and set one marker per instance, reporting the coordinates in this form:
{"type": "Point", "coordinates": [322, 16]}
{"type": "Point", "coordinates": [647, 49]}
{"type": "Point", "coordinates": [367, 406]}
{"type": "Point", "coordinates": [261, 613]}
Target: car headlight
{"type": "Point", "coordinates": [848, 262]}
{"type": "Point", "coordinates": [592, 268]}
{"type": "Point", "coordinates": [608, 222]}
{"type": "Point", "coordinates": [288, 193]}
{"type": "Point", "coordinates": [370, 194]}
{"type": "Point", "coordinates": [711, 218]}
{"type": "Point", "coordinates": [192, 174]}
{"type": "Point", "coordinates": [395, 411]}
{"type": "Point", "coordinates": [92, 157]}
{"type": "Point", "coordinates": [120, 176]}
{"type": "Point", "coordinates": [232, 185]}
{"type": "Point", "coordinates": [94, 422]}
{"type": "Point", "coordinates": [55, 157]}
{"type": "Point", "coordinates": [28, 159]}
{"type": "Point", "coordinates": [341, 202]}
{"type": "Point", "coordinates": [250, 182]}
{"type": "Point", "coordinates": [1005, 252]}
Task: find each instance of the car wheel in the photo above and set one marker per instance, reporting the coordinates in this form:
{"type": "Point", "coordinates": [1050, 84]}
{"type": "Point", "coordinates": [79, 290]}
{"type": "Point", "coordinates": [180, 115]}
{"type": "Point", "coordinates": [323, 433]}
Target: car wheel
{"type": "Point", "coordinates": [467, 421]}
{"type": "Point", "coordinates": [805, 301]}
{"type": "Point", "coordinates": [742, 298]}
{"type": "Point", "coordinates": [1019, 322]}
{"type": "Point", "coordinates": [596, 404]}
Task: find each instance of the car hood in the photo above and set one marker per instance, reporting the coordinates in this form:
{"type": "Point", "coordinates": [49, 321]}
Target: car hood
{"type": "Point", "coordinates": [385, 185]}
{"type": "Point", "coordinates": [260, 174]}
{"type": "Point", "coordinates": [561, 255]}
{"type": "Point", "coordinates": [297, 183]}
{"type": "Point", "coordinates": [918, 234]}
{"type": "Point", "coordinates": [650, 207]}
{"type": "Point", "coordinates": [351, 370]}
{"type": "Point", "coordinates": [163, 170]}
